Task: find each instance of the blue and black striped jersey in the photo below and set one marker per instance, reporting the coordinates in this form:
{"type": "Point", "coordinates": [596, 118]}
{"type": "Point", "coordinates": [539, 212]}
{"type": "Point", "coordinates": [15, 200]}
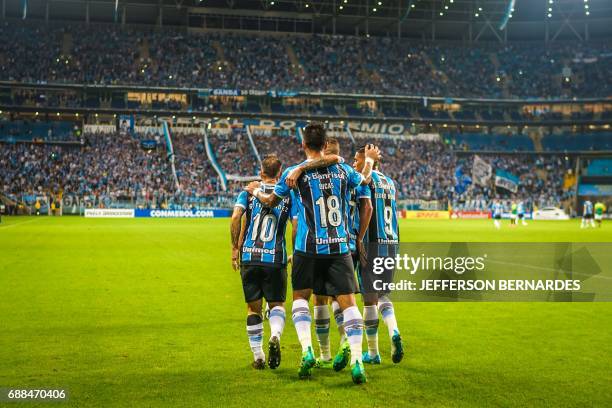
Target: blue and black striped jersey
{"type": "Point", "coordinates": [322, 205]}
{"type": "Point", "coordinates": [587, 208]}
{"type": "Point", "coordinates": [383, 228]}
{"type": "Point", "coordinates": [264, 237]}
{"type": "Point", "coordinates": [362, 191]}
{"type": "Point", "coordinates": [496, 209]}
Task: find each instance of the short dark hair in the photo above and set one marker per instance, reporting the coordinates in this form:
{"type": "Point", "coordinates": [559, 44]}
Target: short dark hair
{"type": "Point", "coordinates": [361, 150]}
{"type": "Point", "coordinates": [270, 166]}
{"type": "Point", "coordinates": [315, 136]}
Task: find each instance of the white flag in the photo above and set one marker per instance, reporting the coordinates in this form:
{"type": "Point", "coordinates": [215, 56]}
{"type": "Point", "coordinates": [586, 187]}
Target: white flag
{"type": "Point", "coordinates": [481, 171]}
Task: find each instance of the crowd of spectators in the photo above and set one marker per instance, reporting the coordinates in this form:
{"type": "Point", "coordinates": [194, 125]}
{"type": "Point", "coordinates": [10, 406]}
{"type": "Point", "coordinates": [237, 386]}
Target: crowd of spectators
{"type": "Point", "coordinates": [112, 54]}
{"type": "Point", "coordinates": [421, 169]}
{"type": "Point", "coordinates": [106, 165]}
{"type": "Point", "coordinates": [117, 167]}
{"type": "Point", "coordinates": [196, 176]}
{"type": "Point", "coordinates": [234, 153]}
{"type": "Point", "coordinates": [425, 169]}
{"type": "Point", "coordinates": [268, 143]}
{"type": "Point", "coordinates": [540, 183]}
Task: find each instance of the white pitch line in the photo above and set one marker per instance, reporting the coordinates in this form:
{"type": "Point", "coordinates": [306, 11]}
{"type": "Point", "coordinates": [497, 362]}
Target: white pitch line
{"type": "Point", "coordinates": [19, 223]}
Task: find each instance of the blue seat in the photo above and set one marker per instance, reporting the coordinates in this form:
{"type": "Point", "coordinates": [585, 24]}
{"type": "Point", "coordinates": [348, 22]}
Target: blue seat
{"type": "Point", "coordinates": [493, 142]}
{"type": "Point", "coordinates": [278, 108]}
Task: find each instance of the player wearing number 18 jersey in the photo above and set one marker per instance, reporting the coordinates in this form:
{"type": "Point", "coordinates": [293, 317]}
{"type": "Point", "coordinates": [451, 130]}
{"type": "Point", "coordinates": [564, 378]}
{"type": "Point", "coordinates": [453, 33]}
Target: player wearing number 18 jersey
{"type": "Point", "coordinates": [322, 262]}
{"type": "Point", "coordinates": [359, 209]}
{"type": "Point", "coordinates": [263, 260]}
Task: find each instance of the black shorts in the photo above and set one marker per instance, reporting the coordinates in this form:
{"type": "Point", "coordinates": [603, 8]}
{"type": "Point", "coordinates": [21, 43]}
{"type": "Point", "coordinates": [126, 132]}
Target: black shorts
{"type": "Point", "coordinates": [327, 276]}
{"type": "Point", "coordinates": [269, 282]}
{"type": "Point", "coordinates": [587, 216]}
{"type": "Point", "coordinates": [520, 216]}
{"type": "Point", "coordinates": [365, 272]}
{"type": "Point", "coordinates": [497, 217]}
{"type": "Point", "coordinates": [355, 257]}
{"type": "Point", "coordinates": [357, 266]}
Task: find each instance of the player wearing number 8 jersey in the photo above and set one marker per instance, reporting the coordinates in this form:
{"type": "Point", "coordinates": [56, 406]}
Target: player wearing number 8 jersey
{"type": "Point", "coordinates": [322, 262]}
{"type": "Point", "coordinates": [263, 260]}
{"type": "Point", "coordinates": [383, 236]}
{"type": "Point", "coordinates": [383, 227]}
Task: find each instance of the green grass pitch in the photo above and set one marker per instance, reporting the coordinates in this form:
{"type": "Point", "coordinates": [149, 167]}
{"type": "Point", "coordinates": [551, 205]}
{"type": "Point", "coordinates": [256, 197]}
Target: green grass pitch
{"type": "Point", "coordinates": [148, 312]}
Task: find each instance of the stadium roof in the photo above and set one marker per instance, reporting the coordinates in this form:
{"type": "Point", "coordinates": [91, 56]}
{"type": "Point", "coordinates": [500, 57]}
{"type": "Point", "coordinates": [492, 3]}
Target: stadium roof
{"type": "Point", "coordinates": [468, 20]}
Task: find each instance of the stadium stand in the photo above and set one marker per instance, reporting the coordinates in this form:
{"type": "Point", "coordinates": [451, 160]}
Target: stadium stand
{"type": "Point", "coordinates": [107, 165]}
{"type": "Point", "coordinates": [234, 153]}
{"type": "Point", "coordinates": [599, 167]}
{"type": "Point", "coordinates": [338, 64]}
{"type": "Point", "coordinates": [30, 131]}
{"type": "Point", "coordinates": [198, 181]}
{"type": "Point", "coordinates": [491, 142]}
{"type": "Point", "coordinates": [114, 166]}
{"type": "Point", "coordinates": [578, 142]}
{"type": "Point", "coordinates": [268, 143]}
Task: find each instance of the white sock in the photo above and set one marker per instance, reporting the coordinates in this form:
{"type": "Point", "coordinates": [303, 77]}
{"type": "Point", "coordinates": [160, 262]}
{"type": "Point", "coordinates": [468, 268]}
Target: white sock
{"type": "Point", "coordinates": [255, 332]}
{"type": "Point", "coordinates": [370, 320]}
{"type": "Point", "coordinates": [388, 314]}
{"type": "Point", "coordinates": [496, 222]}
{"type": "Point", "coordinates": [339, 317]}
{"type": "Point", "coordinates": [277, 321]}
{"type": "Point", "coordinates": [353, 325]}
{"type": "Point", "coordinates": [321, 317]}
{"type": "Point", "coordinates": [301, 321]}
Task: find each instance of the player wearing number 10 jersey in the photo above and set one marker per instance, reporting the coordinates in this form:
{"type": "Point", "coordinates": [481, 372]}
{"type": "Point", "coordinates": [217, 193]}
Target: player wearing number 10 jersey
{"type": "Point", "coordinates": [322, 262]}
{"type": "Point", "coordinates": [263, 260]}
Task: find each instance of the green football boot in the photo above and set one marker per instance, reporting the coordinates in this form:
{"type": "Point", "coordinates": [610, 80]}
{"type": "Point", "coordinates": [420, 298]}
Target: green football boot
{"type": "Point", "coordinates": [365, 357]}
{"type": "Point", "coordinates": [324, 363]}
{"type": "Point", "coordinates": [397, 348]}
{"type": "Point", "coordinates": [358, 373]}
{"type": "Point", "coordinates": [308, 361]}
{"type": "Point", "coordinates": [342, 357]}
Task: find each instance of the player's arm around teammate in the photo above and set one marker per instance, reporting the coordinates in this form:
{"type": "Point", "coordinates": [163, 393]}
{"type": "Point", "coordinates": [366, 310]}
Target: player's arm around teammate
{"type": "Point", "coordinates": [325, 161]}
{"type": "Point", "coordinates": [261, 257]}
{"type": "Point", "coordinates": [328, 160]}
{"type": "Point", "coordinates": [372, 154]}
{"type": "Point", "coordinates": [323, 268]}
